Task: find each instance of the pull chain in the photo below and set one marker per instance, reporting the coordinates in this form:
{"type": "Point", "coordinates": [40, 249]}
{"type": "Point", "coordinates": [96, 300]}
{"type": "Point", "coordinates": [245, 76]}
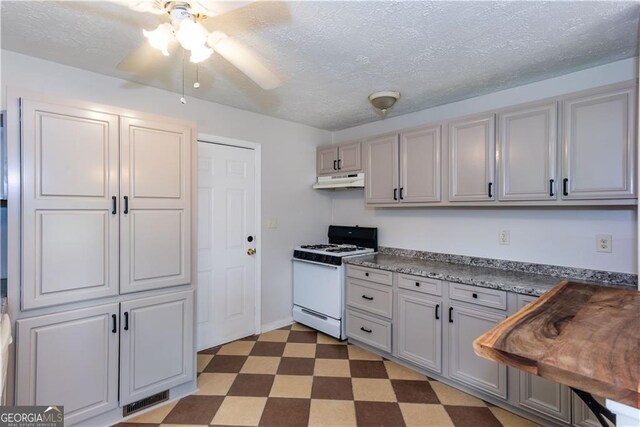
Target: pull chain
{"type": "Point", "coordinates": [197, 82]}
{"type": "Point", "coordinates": [183, 99]}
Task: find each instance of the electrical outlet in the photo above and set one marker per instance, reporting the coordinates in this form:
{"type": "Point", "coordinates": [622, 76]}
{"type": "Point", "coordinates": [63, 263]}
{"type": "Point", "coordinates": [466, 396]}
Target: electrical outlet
{"type": "Point", "coordinates": [504, 237]}
{"type": "Point", "coordinates": [603, 242]}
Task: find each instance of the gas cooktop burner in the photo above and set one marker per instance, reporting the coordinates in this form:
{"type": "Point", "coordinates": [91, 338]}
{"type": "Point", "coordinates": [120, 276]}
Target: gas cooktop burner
{"type": "Point", "coordinates": [342, 249]}
{"type": "Point", "coordinates": [317, 247]}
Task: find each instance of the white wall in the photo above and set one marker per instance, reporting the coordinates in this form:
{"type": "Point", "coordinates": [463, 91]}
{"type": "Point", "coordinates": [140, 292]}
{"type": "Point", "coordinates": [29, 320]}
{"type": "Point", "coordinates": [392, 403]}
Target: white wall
{"type": "Point", "coordinates": [288, 158]}
{"type": "Point", "coordinates": [544, 235]}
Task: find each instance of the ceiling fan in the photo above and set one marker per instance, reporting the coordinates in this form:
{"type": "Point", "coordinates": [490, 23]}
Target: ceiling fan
{"type": "Point", "coordinates": [185, 28]}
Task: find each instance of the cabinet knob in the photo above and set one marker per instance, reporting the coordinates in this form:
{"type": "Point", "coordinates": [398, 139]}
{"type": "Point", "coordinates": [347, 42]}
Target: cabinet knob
{"type": "Point", "coordinates": [474, 295]}
{"type": "Point", "coordinates": [418, 284]}
{"type": "Point", "coordinates": [366, 274]}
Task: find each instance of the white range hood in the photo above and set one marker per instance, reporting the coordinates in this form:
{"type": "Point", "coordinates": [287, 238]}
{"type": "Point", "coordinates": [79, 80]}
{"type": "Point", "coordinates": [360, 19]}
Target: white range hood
{"type": "Point", "coordinates": [355, 180]}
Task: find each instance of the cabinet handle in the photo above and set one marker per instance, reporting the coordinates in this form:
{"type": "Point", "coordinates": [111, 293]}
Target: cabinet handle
{"type": "Point", "coordinates": [450, 314]}
{"type": "Point", "coordinates": [395, 194]}
{"type": "Point", "coordinates": [126, 204]}
{"type": "Point", "coordinates": [418, 284]}
{"type": "Point", "coordinates": [339, 167]}
{"type": "Point", "coordinates": [367, 298]}
{"type": "Point", "coordinates": [126, 321]}
{"type": "Point", "coordinates": [474, 295]}
{"type": "Point", "coordinates": [366, 274]}
{"type": "Point", "coordinates": [437, 311]}
{"type": "Point", "coordinates": [551, 181]}
{"type": "Point", "coordinates": [401, 190]}
{"type": "Point", "coordinates": [335, 162]}
{"type": "Point", "coordinates": [362, 328]}
{"type": "Point", "coordinates": [114, 201]}
{"type": "Point", "coordinates": [114, 329]}
{"type": "Point", "coordinates": [490, 187]}
{"type": "Point", "coordinates": [565, 187]}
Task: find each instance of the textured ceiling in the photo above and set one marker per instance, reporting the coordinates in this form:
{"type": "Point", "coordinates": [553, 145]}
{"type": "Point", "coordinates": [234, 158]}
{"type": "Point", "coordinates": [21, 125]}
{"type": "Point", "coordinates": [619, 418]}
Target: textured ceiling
{"type": "Point", "coordinates": [331, 55]}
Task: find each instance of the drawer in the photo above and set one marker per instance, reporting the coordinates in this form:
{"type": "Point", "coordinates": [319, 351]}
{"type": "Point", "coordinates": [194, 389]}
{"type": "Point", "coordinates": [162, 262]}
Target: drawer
{"type": "Point", "coordinates": [375, 332]}
{"type": "Point", "coordinates": [370, 297]}
{"type": "Point", "coordinates": [420, 284]}
{"type": "Point", "coordinates": [481, 296]}
{"type": "Point", "coordinates": [371, 274]}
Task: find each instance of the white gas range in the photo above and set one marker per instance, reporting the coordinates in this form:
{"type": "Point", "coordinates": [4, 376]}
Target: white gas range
{"type": "Point", "coordinates": [319, 277]}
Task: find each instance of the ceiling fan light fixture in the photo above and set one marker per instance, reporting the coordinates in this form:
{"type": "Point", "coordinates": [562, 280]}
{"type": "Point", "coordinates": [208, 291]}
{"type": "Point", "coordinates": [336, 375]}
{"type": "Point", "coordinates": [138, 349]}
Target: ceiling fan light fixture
{"type": "Point", "coordinates": [199, 54]}
{"type": "Point", "coordinates": [191, 35]}
{"type": "Point", "coordinates": [384, 100]}
{"type": "Point", "coordinates": [160, 37]}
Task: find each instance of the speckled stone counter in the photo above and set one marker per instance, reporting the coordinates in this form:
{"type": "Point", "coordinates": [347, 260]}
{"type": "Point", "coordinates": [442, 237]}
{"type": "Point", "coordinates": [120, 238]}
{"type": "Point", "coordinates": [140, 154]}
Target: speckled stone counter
{"type": "Point", "coordinates": [511, 279]}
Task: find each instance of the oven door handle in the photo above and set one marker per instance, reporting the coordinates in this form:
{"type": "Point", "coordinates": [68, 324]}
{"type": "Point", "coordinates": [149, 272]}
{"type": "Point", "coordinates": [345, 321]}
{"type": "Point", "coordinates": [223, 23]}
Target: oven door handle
{"type": "Point", "coordinates": [315, 262]}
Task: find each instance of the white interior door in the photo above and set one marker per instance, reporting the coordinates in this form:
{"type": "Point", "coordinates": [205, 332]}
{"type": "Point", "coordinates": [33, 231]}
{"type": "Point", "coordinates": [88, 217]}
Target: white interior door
{"type": "Point", "coordinates": [226, 224]}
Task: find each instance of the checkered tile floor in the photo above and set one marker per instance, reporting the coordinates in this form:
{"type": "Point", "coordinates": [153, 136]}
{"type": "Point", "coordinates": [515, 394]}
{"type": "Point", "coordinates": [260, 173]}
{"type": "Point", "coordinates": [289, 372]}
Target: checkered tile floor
{"type": "Point", "coordinates": [294, 376]}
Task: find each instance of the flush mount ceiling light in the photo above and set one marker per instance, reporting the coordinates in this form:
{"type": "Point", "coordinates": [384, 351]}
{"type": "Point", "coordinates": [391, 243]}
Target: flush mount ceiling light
{"type": "Point", "coordinates": [384, 100]}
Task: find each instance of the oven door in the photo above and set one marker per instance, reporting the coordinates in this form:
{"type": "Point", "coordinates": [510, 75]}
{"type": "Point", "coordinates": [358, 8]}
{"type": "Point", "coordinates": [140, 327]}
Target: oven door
{"type": "Point", "coordinates": [318, 287]}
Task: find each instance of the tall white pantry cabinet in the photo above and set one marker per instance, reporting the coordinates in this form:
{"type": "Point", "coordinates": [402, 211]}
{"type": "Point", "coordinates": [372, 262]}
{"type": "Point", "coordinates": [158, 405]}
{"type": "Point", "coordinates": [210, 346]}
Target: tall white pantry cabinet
{"type": "Point", "coordinates": [104, 293]}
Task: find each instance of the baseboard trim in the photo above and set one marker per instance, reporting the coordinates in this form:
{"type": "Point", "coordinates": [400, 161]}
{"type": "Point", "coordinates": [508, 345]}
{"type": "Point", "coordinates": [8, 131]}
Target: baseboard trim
{"type": "Point", "coordinates": [266, 327]}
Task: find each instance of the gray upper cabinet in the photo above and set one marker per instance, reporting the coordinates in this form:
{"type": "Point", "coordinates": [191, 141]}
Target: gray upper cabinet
{"type": "Point", "coordinates": [527, 151]}
{"type": "Point", "coordinates": [69, 359]}
{"type": "Point", "coordinates": [420, 165]}
{"type": "Point", "coordinates": [599, 135]}
{"type": "Point", "coordinates": [419, 330]}
{"type": "Point", "coordinates": [156, 344]}
{"type": "Point", "coordinates": [341, 158]}
{"type": "Point", "coordinates": [472, 159]}
{"type": "Point", "coordinates": [381, 165]}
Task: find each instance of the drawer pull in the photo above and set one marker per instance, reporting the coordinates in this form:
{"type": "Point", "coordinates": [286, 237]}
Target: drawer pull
{"type": "Point", "coordinates": [362, 328]}
{"type": "Point", "coordinates": [367, 297]}
{"type": "Point", "coordinates": [450, 314]}
{"type": "Point", "coordinates": [366, 274]}
{"type": "Point", "coordinates": [474, 295]}
{"type": "Point", "coordinates": [437, 311]}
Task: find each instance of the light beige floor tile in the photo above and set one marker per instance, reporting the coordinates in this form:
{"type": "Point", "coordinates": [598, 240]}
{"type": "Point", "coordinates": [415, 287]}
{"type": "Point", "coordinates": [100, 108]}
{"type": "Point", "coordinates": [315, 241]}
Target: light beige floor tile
{"type": "Point", "coordinates": [237, 348]}
{"type": "Point", "coordinates": [326, 339]}
{"type": "Point", "coordinates": [357, 353]}
{"type": "Point", "coordinates": [399, 372]}
{"type": "Point", "coordinates": [512, 420]}
{"type": "Point", "coordinates": [215, 384]}
{"type": "Point", "coordinates": [373, 390]}
{"type": "Point", "coordinates": [276, 335]}
{"type": "Point", "coordinates": [294, 349]}
{"type": "Point", "coordinates": [203, 361]}
{"type": "Point", "coordinates": [292, 386]}
{"type": "Point", "coordinates": [419, 415]}
{"type": "Point", "coordinates": [240, 411]}
{"type": "Point", "coordinates": [299, 327]}
{"type": "Point", "coordinates": [184, 425]}
{"type": "Point", "coordinates": [332, 413]}
{"type": "Point", "coordinates": [450, 396]}
{"type": "Point", "coordinates": [154, 416]}
{"type": "Point", "coordinates": [260, 365]}
{"type": "Point", "coordinates": [331, 368]}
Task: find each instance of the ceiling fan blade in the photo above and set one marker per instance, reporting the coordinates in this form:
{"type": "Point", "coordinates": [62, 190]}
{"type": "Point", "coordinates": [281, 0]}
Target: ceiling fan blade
{"type": "Point", "coordinates": [245, 60]}
{"type": "Point", "coordinates": [154, 6]}
{"type": "Point", "coordinates": [216, 8]}
{"type": "Point", "coordinates": [141, 58]}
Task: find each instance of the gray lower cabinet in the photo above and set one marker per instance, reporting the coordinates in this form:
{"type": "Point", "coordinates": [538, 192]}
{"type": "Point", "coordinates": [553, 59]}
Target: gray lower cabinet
{"type": "Point", "coordinates": [465, 325]}
{"type": "Point", "coordinates": [69, 359]}
{"type": "Point", "coordinates": [419, 330]}
{"type": "Point", "coordinates": [156, 344]}
{"type": "Point", "coordinates": [582, 415]}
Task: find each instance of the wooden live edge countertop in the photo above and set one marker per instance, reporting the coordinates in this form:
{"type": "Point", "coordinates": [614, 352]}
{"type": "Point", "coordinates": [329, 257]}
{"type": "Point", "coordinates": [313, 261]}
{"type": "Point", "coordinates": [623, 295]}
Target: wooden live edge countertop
{"type": "Point", "coordinates": [584, 336]}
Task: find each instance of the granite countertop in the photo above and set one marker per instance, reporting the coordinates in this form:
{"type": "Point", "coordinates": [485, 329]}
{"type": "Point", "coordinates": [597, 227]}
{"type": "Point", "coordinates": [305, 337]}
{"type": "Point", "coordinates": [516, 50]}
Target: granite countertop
{"type": "Point", "coordinates": [520, 282]}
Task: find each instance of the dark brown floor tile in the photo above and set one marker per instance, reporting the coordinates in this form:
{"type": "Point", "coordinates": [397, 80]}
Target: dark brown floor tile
{"type": "Point", "coordinates": [228, 364]}
{"type": "Point", "coordinates": [250, 338]}
{"type": "Point", "coordinates": [257, 385]}
{"type": "Point", "coordinates": [296, 366]}
{"type": "Point", "coordinates": [302, 336]}
{"type": "Point", "coordinates": [331, 351]}
{"type": "Point", "coordinates": [367, 369]}
{"type": "Point", "coordinates": [332, 388]}
{"type": "Point", "coordinates": [137, 425]}
{"type": "Point", "coordinates": [212, 350]}
{"type": "Point", "coordinates": [411, 391]}
{"type": "Point", "coordinates": [463, 416]}
{"type": "Point", "coordinates": [379, 414]}
{"type": "Point", "coordinates": [285, 412]}
{"type": "Point", "coordinates": [265, 348]}
{"type": "Point", "coordinates": [194, 410]}
{"type": "Point", "coordinates": [286, 328]}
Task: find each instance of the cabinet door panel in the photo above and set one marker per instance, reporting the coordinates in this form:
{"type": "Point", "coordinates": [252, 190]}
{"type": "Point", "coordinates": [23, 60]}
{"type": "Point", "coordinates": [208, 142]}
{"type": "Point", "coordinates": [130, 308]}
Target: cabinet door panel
{"type": "Point", "coordinates": [69, 359]}
{"type": "Point", "coordinates": [381, 177]}
{"type": "Point", "coordinates": [472, 159]}
{"type": "Point", "coordinates": [598, 146]}
{"type": "Point", "coordinates": [326, 160]}
{"type": "Point", "coordinates": [155, 248]}
{"type": "Point", "coordinates": [157, 346]}
{"type": "Point", "coordinates": [465, 366]}
{"type": "Point", "coordinates": [350, 157]}
{"type": "Point", "coordinates": [420, 168]}
{"type": "Point", "coordinates": [582, 415]}
{"type": "Point", "coordinates": [419, 332]}
{"type": "Point", "coordinates": [69, 176]}
{"type": "Point", "coordinates": [528, 146]}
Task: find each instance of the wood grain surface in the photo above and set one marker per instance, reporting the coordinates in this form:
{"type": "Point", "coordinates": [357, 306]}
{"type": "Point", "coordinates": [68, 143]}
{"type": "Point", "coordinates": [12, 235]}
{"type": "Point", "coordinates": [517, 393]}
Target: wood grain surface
{"type": "Point", "coordinates": [584, 336]}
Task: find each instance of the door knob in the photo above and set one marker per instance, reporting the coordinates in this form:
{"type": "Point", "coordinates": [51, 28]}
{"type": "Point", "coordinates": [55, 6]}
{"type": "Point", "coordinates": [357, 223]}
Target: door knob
{"type": "Point", "coordinates": [251, 251]}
